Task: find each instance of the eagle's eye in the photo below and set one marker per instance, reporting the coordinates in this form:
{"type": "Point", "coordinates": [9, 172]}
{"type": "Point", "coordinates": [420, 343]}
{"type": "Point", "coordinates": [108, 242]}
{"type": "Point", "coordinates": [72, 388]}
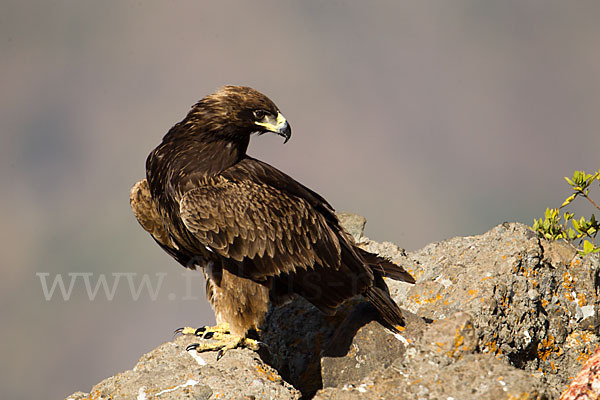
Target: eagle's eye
{"type": "Point", "coordinates": [259, 114]}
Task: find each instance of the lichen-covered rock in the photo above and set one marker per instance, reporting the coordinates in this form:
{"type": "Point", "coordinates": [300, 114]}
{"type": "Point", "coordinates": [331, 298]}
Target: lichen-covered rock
{"type": "Point", "coordinates": [353, 224]}
{"type": "Point", "coordinates": [425, 375]}
{"type": "Point", "coordinates": [453, 337]}
{"type": "Point", "coordinates": [439, 361]}
{"type": "Point", "coordinates": [534, 303]}
{"type": "Point", "coordinates": [372, 348]}
{"type": "Point", "coordinates": [503, 315]}
{"type": "Point", "coordinates": [169, 372]}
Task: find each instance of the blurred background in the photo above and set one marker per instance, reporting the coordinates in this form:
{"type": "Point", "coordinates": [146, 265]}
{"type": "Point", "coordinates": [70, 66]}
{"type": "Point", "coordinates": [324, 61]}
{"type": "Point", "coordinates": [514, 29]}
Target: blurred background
{"type": "Point", "coordinates": [431, 119]}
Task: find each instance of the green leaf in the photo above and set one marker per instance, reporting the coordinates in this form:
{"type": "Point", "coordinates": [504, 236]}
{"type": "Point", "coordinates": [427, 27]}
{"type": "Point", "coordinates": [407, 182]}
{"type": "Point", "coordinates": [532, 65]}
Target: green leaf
{"type": "Point", "coordinates": [568, 216]}
{"type": "Point", "coordinates": [577, 177]}
{"type": "Point", "coordinates": [568, 200]}
{"type": "Point", "coordinates": [588, 247]}
{"type": "Point", "coordinates": [574, 229]}
{"type": "Point", "coordinates": [546, 225]}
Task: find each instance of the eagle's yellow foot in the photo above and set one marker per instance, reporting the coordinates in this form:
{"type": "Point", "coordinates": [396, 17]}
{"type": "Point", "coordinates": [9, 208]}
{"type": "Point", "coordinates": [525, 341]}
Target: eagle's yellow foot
{"type": "Point", "coordinates": [224, 343]}
{"type": "Point", "coordinates": [206, 332]}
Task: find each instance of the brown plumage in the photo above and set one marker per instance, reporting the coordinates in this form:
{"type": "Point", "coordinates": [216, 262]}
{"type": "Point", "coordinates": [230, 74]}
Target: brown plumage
{"type": "Point", "coordinates": [259, 235]}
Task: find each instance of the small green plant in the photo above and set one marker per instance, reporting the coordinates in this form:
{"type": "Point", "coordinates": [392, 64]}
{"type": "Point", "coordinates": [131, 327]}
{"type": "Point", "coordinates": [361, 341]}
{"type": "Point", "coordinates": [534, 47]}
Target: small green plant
{"type": "Point", "coordinates": [581, 233]}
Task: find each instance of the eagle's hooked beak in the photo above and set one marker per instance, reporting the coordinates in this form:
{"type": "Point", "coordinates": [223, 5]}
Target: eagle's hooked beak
{"type": "Point", "coordinates": [280, 126]}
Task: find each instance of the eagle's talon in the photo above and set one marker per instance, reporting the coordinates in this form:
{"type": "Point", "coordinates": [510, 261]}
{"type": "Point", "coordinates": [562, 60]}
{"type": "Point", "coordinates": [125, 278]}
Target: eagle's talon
{"type": "Point", "coordinates": [208, 335]}
{"type": "Point", "coordinates": [186, 330]}
{"type": "Point", "coordinates": [193, 346]}
{"type": "Point", "coordinates": [220, 354]}
{"type": "Point", "coordinates": [200, 331]}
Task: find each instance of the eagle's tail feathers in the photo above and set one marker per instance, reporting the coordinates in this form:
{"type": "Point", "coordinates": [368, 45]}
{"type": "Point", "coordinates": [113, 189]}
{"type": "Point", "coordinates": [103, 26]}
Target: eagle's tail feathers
{"type": "Point", "coordinates": [387, 308]}
{"type": "Point", "coordinates": [385, 267]}
{"type": "Point", "coordinates": [393, 271]}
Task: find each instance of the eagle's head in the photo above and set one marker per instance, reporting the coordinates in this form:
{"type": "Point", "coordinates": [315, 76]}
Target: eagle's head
{"type": "Point", "coordinates": [235, 112]}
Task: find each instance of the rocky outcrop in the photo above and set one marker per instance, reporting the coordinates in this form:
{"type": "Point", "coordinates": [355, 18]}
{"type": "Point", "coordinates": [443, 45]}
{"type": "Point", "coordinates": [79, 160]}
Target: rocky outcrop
{"type": "Point", "coordinates": [500, 315]}
{"type": "Point", "coordinates": [534, 304]}
{"type": "Point", "coordinates": [169, 372]}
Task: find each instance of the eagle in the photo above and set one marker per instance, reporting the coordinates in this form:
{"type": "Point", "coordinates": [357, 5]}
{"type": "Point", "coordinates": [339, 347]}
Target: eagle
{"type": "Point", "coordinates": [259, 236]}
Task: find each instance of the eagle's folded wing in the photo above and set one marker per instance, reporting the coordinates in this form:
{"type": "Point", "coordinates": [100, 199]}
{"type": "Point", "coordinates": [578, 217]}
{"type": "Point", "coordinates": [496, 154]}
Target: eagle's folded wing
{"type": "Point", "coordinates": [243, 220]}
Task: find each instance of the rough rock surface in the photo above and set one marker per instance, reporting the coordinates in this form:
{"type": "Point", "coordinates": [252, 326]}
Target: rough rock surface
{"type": "Point", "coordinates": [500, 315]}
{"type": "Point", "coordinates": [169, 372]}
{"type": "Point", "coordinates": [534, 303]}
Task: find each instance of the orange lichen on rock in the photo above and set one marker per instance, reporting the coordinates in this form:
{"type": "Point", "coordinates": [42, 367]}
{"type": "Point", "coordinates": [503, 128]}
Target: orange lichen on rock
{"type": "Point", "coordinates": [546, 347]}
{"type": "Point", "coordinates": [581, 300]}
{"type": "Point", "coordinates": [268, 374]}
{"type": "Point", "coordinates": [568, 281]}
{"type": "Point", "coordinates": [425, 300]}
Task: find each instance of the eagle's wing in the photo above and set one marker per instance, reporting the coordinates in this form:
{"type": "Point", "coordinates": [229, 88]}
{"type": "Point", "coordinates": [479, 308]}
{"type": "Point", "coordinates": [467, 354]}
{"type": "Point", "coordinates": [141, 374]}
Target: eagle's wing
{"type": "Point", "coordinates": [147, 214]}
{"type": "Point", "coordinates": [249, 168]}
{"type": "Point", "coordinates": [149, 217]}
{"type": "Point", "coordinates": [244, 219]}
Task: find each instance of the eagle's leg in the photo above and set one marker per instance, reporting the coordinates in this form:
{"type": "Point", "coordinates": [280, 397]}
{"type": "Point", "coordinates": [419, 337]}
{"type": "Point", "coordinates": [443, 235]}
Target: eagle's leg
{"type": "Point", "coordinates": [240, 305]}
{"type": "Point", "coordinates": [225, 343]}
{"type": "Point", "coordinates": [221, 339]}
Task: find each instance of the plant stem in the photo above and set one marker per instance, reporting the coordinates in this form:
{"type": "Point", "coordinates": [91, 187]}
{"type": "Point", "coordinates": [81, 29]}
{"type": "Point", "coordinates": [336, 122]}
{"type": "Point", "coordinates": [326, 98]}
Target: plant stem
{"type": "Point", "coordinates": [591, 201]}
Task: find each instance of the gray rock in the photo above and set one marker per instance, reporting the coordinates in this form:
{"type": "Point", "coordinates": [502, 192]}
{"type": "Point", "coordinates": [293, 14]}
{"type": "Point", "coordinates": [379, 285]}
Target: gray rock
{"type": "Point", "coordinates": [534, 303]}
{"type": "Point", "coordinates": [353, 223]}
{"type": "Point", "coordinates": [500, 315]}
{"type": "Point", "coordinates": [425, 375]}
{"type": "Point", "coordinates": [171, 372]}
{"type": "Point", "coordinates": [440, 361]}
{"type": "Point", "coordinates": [373, 347]}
